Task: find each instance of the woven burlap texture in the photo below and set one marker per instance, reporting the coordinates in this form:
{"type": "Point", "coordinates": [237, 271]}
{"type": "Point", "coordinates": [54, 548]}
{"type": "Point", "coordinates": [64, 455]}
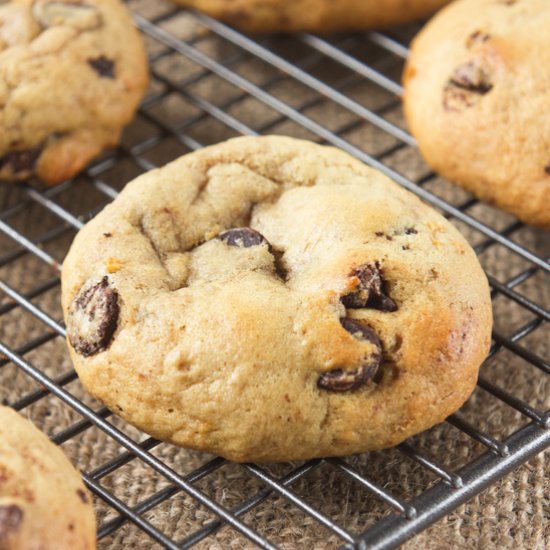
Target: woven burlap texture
{"type": "Point", "coordinates": [513, 513]}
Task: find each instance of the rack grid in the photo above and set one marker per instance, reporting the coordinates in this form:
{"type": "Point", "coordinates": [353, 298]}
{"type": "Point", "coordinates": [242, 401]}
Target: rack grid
{"type": "Point", "coordinates": [209, 83]}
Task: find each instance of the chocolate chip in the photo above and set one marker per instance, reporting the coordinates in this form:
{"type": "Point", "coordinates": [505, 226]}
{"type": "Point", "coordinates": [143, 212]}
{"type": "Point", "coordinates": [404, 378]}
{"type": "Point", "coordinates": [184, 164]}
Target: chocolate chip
{"type": "Point", "coordinates": [477, 37]}
{"type": "Point", "coordinates": [410, 231]}
{"type": "Point", "coordinates": [103, 66]}
{"type": "Point", "coordinates": [346, 380]}
{"type": "Point", "coordinates": [93, 318]}
{"type": "Point", "coordinates": [472, 78]}
{"type": "Point", "coordinates": [455, 99]}
{"type": "Point", "coordinates": [371, 291]}
{"type": "Point", "coordinates": [278, 260]}
{"type": "Point", "coordinates": [243, 237]}
{"type": "Point", "coordinates": [82, 496]}
{"type": "Point", "coordinates": [547, 169]}
{"type": "Point", "coordinates": [467, 84]}
{"type": "Point", "coordinates": [361, 330]}
{"type": "Point", "coordinates": [11, 517]}
{"type": "Point", "coordinates": [18, 162]}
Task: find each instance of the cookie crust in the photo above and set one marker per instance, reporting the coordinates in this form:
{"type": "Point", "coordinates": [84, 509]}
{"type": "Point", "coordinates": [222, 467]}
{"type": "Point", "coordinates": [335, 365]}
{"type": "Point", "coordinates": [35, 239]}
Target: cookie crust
{"type": "Point", "coordinates": [225, 348]}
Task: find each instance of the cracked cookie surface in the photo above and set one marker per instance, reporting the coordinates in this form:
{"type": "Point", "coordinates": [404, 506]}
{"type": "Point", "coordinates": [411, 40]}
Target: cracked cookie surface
{"type": "Point", "coordinates": [477, 96]}
{"type": "Point", "coordinates": [315, 15]}
{"type": "Point", "coordinates": [72, 73]}
{"type": "Point", "coordinates": [43, 501]}
{"type": "Point", "coordinates": [275, 300]}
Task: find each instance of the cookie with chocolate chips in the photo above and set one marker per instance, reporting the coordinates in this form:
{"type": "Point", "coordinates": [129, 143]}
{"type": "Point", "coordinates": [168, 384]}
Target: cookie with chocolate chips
{"type": "Point", "coordinates": [43, 501]}
{"type": "Point", "coordinates": [322, 16]}
{"type": "Point", "coordinates": [272, 299]}
{"type": "Point", "coordinates": [476, 99]}
{"type": "Point", "coordinates": [72, 73]}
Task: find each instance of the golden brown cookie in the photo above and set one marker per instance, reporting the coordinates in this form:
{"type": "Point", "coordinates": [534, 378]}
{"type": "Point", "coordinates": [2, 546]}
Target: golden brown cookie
{"type": "Point", "coordinates": [43, 503]}
{"type": "Point", "coordinates": [477, 100]}
{"type": "Point", "coordinates": [71, 76]}
{"type": "Point", "coordinates": [315, 15]}
{"type": "Point", "coordinates": [272, 299]}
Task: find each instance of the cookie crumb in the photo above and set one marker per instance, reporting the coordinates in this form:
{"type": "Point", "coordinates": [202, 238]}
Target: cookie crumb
{"type": "Point", "coordinates": [113, 264]}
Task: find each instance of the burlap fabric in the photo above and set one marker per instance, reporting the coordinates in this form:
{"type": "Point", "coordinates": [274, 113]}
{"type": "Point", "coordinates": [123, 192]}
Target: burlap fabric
{"type": "Point", "coordinates": [513, 513]}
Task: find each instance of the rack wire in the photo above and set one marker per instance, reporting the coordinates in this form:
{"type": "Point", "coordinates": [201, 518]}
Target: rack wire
{"type": "Point", "coordinates": [209, 83]}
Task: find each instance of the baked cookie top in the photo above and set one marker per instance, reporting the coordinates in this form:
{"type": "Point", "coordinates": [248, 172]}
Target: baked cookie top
{"type": "Point", "coordinates": [272, 299]}
{"type": "Point", "coordinates": [315, 15]}
{"type": "Point", "coordinates": [71, 76]}
{"type": "Point", "coordinates": [477, 94]}
{"type": "Point", "coordinates": [43, 502]}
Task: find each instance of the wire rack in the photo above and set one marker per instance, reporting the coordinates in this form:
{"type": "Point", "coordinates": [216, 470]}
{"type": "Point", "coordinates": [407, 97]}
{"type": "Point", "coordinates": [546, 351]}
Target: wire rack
{"type": "Point", "coordinates": [209, 83]}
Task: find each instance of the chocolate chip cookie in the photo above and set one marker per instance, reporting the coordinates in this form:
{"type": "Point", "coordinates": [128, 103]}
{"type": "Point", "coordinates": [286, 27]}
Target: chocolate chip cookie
{"type": "Point", "coordinates": [476, 99]}
{"type": "Point", "coordinates": [315, 15]}
{"type": "Point", "coordinates": [43, 502]}
{"type": "Point", "coordinates": [71, 76]}
{"type": "Point", "coordinates": [272, 299]}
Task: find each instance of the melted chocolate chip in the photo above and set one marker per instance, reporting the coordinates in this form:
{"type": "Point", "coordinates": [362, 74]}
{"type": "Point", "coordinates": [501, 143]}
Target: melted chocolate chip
{"type": "Point", "coordinates": [346, 380]}
{"type": "Point", "coordinates": [371, 291]}
{"type": "Point", "coordinates": [477, 37]}
{"type": "Point", "coordinates": [20, 161]}
{"type": "Point", "coordinates": [467, 84]}
{"type": "Point", "coordinates": [360, 330]}
{"type": "Point", "coordinates": [472, 78]}
{"type": "Point", "coordinates": [82, 496]}
{"type": "Point", "coordinates": [280, 267]}
{"type": "Point", "coordinates": [243, 237]}
{"type": "Point", "coordinates": [103, 66]}
{"type": "Point", "coordinates": [547, 169]}
{"type": "Point", "coordinates": [11, 517]}
{"type": "Point", "coordinates": [93, 318]}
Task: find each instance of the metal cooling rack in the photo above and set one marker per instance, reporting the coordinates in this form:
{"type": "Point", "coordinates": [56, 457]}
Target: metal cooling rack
{"type": "Point", "coordinates": [227, 84]}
